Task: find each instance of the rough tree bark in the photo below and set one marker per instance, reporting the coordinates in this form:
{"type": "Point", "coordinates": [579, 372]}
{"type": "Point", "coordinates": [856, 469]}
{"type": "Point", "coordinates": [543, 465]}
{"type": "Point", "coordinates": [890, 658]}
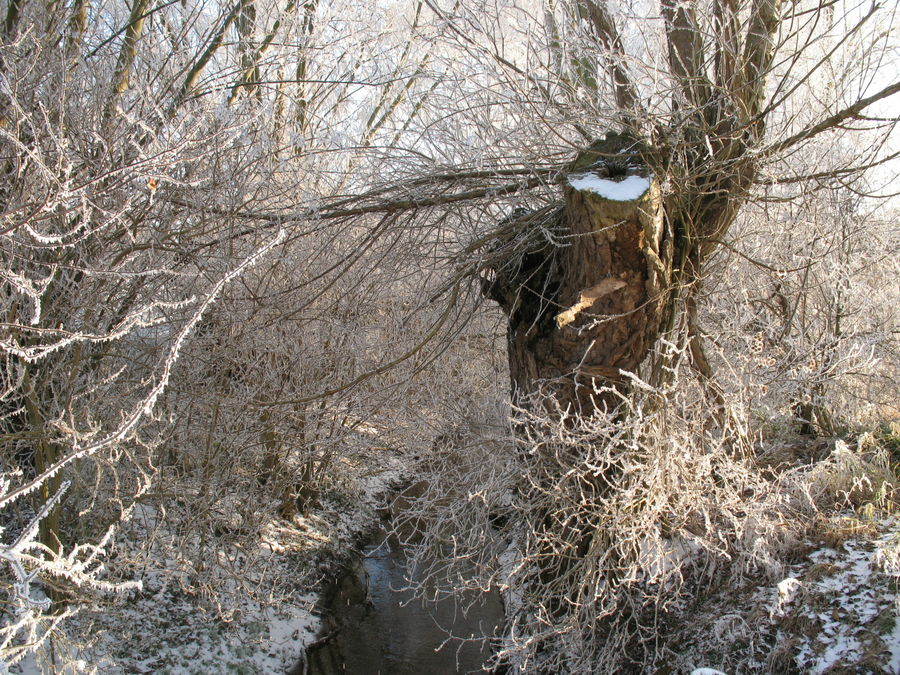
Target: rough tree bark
{"type": "Point", "coordinates": [587, 297]}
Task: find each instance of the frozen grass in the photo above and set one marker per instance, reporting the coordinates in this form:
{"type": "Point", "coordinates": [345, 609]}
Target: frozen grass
{"type": "Point", "coordinates": [653, 536]}
{"type": "Point", "coordinates": [835, 611]}
{"type": "Point", "coordinates": [169, 627]}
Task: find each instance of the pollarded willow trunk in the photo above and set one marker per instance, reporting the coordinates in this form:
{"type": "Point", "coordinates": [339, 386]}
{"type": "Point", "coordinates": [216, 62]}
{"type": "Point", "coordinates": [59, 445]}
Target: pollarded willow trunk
{"type": "Point", "coordinates": [588, 295]}
{"type": "Point", "coordinates": [587, 288]}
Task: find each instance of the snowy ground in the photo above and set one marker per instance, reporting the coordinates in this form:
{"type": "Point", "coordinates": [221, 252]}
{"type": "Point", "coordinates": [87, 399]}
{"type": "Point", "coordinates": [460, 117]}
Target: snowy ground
{"type": "Point", "coordinates": [835, 611]}
{"type": "Point", "coordinates": [164, 629]}
{"type": "Point", "coordinates": [844, 613]}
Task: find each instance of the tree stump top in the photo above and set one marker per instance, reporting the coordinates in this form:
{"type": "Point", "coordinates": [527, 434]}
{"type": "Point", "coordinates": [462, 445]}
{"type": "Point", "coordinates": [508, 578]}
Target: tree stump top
{"type": "Point", "coordinates": [611, 169]}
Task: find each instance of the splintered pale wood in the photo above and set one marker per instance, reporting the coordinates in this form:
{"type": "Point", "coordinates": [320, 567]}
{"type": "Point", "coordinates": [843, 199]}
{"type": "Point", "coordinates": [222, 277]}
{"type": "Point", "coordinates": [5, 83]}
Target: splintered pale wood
{"type": "Point", "coordinates": [587, 299]}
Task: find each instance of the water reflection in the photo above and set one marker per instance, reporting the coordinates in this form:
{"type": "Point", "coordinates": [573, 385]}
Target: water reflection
{"type": "Point", "coordinates": [379, 630]}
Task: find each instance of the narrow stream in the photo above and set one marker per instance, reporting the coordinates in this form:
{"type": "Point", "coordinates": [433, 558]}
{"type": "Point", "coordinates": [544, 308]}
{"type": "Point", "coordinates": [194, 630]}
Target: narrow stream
{"type": "Point", "coordinates": [377, 630]}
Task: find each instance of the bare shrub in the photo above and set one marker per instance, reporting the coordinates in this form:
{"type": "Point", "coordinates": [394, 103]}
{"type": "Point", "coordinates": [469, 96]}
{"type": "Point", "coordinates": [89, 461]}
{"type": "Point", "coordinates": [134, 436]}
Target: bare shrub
{"type": "Point", "coordinates": [100, 296]}
{"type": "Point", "coordinates": [806, 328]}
{"type": "Point", "coordinates": [600, 529]}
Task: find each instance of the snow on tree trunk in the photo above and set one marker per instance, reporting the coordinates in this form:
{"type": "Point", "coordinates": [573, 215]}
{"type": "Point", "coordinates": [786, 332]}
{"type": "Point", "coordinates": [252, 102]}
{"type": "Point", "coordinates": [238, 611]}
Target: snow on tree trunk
{"type": "Point", "coordinates": [587, 299]}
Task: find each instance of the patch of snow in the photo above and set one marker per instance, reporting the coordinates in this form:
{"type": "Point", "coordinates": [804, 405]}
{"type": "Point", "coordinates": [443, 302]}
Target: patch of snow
{"type": "Point", "coordinates": [848, 603]}
{"type": "Point", "coordinates": [824, 555]}
{"type": "Point", "coordinates": [844, 647]}
{"type": "Point", "coordinates": [836, 611]}
{"type": "Point", "coordinates": [661, 555]}
{"type": "Point", "coordinates": [167, 630]}
{"type": "Point", "coordinates": [27, 666]}
{"type": "Point", "coordinates": [163, 632]}
{"type": "Point", "coordinates": [787, 591]}
{"type": "Point", "coordinates": [510, 562]}
{"type": "Point", "coordinates": [887, 554]}
{"type": "Point", "coordinates": [706, 671]}
{"type": "Point", "coordinates": [894, 647]}
{"type": "Point", "coordinates": [628, 189]}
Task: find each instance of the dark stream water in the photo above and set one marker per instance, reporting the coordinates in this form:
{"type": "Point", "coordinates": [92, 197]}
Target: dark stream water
{"type": "Point", "coordinates": [376, 629]}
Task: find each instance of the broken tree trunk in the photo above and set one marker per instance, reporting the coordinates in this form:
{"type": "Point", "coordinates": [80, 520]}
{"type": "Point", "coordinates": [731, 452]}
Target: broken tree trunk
{"type": "Point", "coordinates": [586, 297]}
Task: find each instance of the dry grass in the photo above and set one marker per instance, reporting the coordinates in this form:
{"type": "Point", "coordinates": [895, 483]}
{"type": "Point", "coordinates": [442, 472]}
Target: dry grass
{"type": "Point", "coordinates": [615, 536]}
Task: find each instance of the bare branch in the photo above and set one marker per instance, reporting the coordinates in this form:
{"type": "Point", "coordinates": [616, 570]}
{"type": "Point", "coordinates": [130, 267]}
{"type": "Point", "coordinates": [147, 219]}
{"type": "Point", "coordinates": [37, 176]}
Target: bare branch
{"type": "Point", "coordinates": [759, 50]}
{"type": "Point", "coordinates": [850, 112]}
{"type": "Point", "coordinates": [604, 27]}
{"type": "Point", "coordinates": [686, 57]}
